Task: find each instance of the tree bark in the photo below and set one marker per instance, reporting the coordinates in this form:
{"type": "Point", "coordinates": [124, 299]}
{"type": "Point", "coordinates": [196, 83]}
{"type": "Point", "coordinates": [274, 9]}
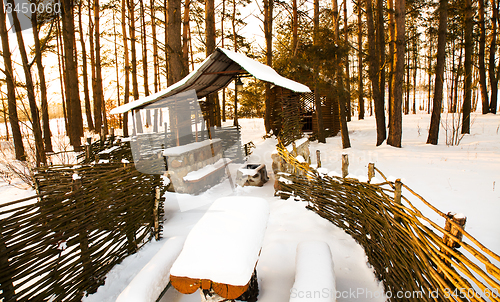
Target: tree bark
{"type": "Point", "coordinates": [295, 28]}
{"type": "Point", "coordinates": [30, 89]}
{"type": "Point", "coordinates": [135, 84]}
{"type": "Point", "coordinates": [268, 33]}
{"type": "Point", "coordinates": [43, 86]}
{"type": "Point", "coordinates": [174, 46]}
{"type": "Point", "coordinates": [11, 93]}
{"type": "Point", "coordinates": [347, 71]}
{"type": "Point", "coordinates": [75, 121]}
{"type": "Point", "coordinates": [482, 69]}
{"type": "Point", "coordinates": [361, 101]}
{"type": "Point", "coordinates": [86, 92]}
{"type": "Point", "coordinates": [439, 81]}
{"type": "Point", "coordinates": [210, 48]}
{"type": "Point", "coordinates": [491, 68]}
{"type": "Point", "coordinates": [395, 128]}
{"type": "Point", "coordinates": [126, 92]}
{"type": "Point", "coordinates": [374, 67]}
{"type": "Point", "coordinates": [100, 106]}
{"type": "Point", "coordinates": [380, 40]}
{"type": "Point", "coordinates": [185, 30]}
{"type": "Point", "coordinates": [156, 63]}
{"type": "Point", "coordinates": [392, 51]}
{"type": "Point", "coordinates": [466, 108]}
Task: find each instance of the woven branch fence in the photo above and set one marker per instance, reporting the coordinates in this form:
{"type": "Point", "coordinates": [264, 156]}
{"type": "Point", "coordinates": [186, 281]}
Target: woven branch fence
{"type": "Point", "coordinates": [415, 258]}
{"type": "Point", "coordinates": [60, 244]}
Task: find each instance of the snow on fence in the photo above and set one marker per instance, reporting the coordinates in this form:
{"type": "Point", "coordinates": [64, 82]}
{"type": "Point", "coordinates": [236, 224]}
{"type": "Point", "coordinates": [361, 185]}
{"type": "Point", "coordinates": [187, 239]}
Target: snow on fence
{"type": "Point", "coordinates": [60, 244]}
{"type": "Point", "coordinates": [413, 256]}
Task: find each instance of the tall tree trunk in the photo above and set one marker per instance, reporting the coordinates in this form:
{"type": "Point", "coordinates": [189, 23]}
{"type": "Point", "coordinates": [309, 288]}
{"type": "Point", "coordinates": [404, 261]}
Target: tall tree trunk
{"type": "Point", "coordinates": [174, 46]}
{"type": "Point", "coordinates": [11, 89]}
{"type": "Point", "coordinates": [144, 50]}
{"type": "Point", "coordinates": [185, 30]}
{"type": "Point", "coordinates": [361, 102]}
{"type": "Point", "coordinates": [429, 74]}
{"type": "Point", "coordinates": [374, 67]}
{"type": "Point", "coordinates": [126, 92]}
{"type": "Point", "coordinates": [135, 84]}
{"type": "Point", "coordinates": [268, 33]}
{"type": "Point", "coordinates": [156, 63]}
{"type": "Point", "coordinates": [117, 70]}
{"type": "Point", "coordinates": [395, 128]}
{"type": "Point", "coordinates": [75, 120]}
{"type": "Point", "coordinates": [317, 92]}
{"type": "Point", "coordinates": [392, 51]}
{"type": "Point", "coordinates": [95, 94]}
{"type": "Point", "coordinates": [88, 110]}
{"type": "Point", "coordinates": [482, 69]}
{"type": "Point", "coordinates": [4, 113]}
{"type": "Point", "coordinates": [43, 87]}
{"type": "Point", "coordinates": [466, 108]}
{"type": "Point", "coordinates": [62, 76]}
{"type": "Point", "coordinates": [165, 16]}
{"type": "Point", "coordinates": [415, 69]}
{"type": "Point", "coordinates": [30, 89]}
{"type": "Point", "coordinates": [380, 40]}
{"type": "Point", "coordinates": [222, 44]}
{"type": "Point", "coordinates": [100, 108]}
{"type": "Point", "coordinates": [439, 81]}
{"type": "Point", "coordinates": [347, 71]}
{"type": "Point", "coordinates": [295, 28]}
{"type": "Point", "coordinates": [210, 48]}
{"type": "Point", "coordinates": [493, 48]}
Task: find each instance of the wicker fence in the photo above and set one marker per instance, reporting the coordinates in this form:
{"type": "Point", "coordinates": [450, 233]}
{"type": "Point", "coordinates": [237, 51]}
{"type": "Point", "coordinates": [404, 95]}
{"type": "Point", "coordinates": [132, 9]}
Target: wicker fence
{"type": "Point", "coordinates": [60, 244]}
{"type": "Point", "coordinates": [415, 258]}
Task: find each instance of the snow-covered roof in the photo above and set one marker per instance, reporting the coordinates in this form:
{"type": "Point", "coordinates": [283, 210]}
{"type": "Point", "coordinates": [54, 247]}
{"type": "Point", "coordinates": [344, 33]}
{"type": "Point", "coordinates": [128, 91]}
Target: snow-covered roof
{"type": "Point", "coordinates": [215, 73]}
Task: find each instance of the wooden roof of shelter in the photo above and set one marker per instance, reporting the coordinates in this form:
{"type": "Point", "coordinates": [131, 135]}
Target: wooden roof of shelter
{"type": "Point", "coordinates": [215, 73]}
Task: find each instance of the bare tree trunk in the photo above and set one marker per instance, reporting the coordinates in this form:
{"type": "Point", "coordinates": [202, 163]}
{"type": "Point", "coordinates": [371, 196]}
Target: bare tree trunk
{"type": "Point", "coordinates": [295, 27]}
{"type": "Point", "coordinates": [235, 44]}
{"type": "Point", "coordinates": [361, 102]}
{"type": "Point", "coordinates": [156, 62]}
{"type": "Point", "coordinates": [222, 44]}
{"type": "Point", "coordinates": [133, 41]}
{"type": "Point", "coordinates": [210, 48]}
{"type": "Point", "coordinates": [374, 68]}
{"type": "Point", "coordinates": [11, 93]}
{"type": "Point", "coordinates": [482, 69]}
{"type": "Point", "coordinates": [317, 93]}
{"type": "Point", "coordinates": [395, 128]}
{"type": "Point", "coordinates": [98, 71]}
{"type": "Point", "coordinates": [144, 52]}
{"type": "Point", "coordinates": [466, 108]}
{"type": "Point", "coordinates": [4, 112]}
{"type": "Point", "coordinates": [75, 121]}
{"type": "Point", "coordinates": [62, 76]}
{"type": "Point", "coordinates": [126, 92]}
{"type": "Point", "coordinates": [30, 89]}
{"type": "Point", "coordinates": [185, 30]}
{"type": "Point", "coordinates": [438, 86]}
{"type": "Point", "coordinates": [43, 86]}
{"type": "Point", "coordinates": [380, 40]}
{"type": "Point", "coordinates": [165, 16]}
{"type": "Point", "coordinates": [174, 46]}
{"type": "Point", "coordinates": [95, 94]}
{"type": "Point", "coordinates": [491, 67]}
{"type": "Point", "coordinates": [88, 110]}
{"type": "Point", "coordinates": [392, 51]}
{"type": "Point", "coordinates": [347, 73]}
{"type": "Point", "coordinates": [268, 33]}
{"type": "Point", "coordinates": [116, 64]}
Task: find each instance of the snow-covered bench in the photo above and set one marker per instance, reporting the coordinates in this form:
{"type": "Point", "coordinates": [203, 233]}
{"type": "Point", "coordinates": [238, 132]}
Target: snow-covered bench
{"type": "Point", "coordinates": [149, 283]}
{"type": "Point", "coordinates": [221, 251]}
{"type": "Point", "coordinates": [314, 275]}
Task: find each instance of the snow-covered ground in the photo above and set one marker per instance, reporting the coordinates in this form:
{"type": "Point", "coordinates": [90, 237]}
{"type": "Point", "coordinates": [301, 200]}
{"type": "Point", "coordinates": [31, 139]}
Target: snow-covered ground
{"type": "Point", "coordinates": [463, 178]}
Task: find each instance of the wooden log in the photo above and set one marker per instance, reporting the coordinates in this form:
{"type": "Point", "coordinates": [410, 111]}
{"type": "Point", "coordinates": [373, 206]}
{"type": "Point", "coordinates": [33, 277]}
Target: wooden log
{"type": "Point", "coordinates": [155, 214]}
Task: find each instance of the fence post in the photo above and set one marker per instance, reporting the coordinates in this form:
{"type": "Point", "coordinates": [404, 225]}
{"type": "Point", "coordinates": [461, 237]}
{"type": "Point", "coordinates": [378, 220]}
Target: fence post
{"type": "Point", "coordinates": [88, 150]}
{"type": "Point", "coordinates": [397, 196]}
{"type": "Point", "coordinates": [456, 232]}
{"type": "Point", "coordinates": [112, 135]}
{"type": "Point", "coordinates": [345, 165]}
{"type": "Point", "coordinates": [371, 171]}
{"type": "Point", "coordinates": [294, 149]}
{"type": "Point", "coordinates": [318, 158]}
{"type": "Point", "coordinates": [155, 214]}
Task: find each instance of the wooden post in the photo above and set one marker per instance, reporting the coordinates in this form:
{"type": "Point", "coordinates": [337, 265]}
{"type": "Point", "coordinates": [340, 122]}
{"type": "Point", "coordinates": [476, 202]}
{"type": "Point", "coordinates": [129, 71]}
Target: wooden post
{"type": "Point", "coordinates": [155, 214]}
{"type": "Point", "coordinates": [371, 171]}
{"type": "Point", "coordinates": [88, 149]}
{"type": "Point", "coordinates": [318, 158]}
{"type": "Point", "coordinates": [345, 165]}
{"type": "Point", "coordinates": [112, 134]}
{"type": "Point", "coordinates": [397, 196]}
{"type": "Point", "coordinates": [456, 232]}
{"type": "Point", "coordinates": [103, 136]}
{"type": "Point", "coordinates": [294, 149]}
